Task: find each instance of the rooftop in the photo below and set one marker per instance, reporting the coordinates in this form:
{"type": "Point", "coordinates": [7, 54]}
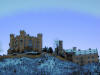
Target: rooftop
{"type": "Point", "coordinates": [82, 52]}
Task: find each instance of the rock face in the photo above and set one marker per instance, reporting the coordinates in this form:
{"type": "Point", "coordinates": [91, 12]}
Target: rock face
{"type": "Point", "coordinates": [45, 65]}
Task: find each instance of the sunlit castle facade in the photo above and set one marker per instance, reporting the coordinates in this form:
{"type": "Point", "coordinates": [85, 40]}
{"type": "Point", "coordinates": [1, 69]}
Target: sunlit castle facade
{"type": "Point", "coordinates": [24, 42]}
{"type": "Point", "coordinates": [83, 57]}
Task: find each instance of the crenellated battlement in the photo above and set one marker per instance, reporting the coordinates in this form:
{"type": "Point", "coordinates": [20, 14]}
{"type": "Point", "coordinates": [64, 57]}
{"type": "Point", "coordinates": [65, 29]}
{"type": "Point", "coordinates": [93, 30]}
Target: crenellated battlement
{"type": "Point", "coordinates": [24, 42]}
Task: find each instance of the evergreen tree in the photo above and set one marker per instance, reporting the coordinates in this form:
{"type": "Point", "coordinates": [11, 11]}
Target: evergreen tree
{"type": "Point", "coordinates": [45, 49]}
{"type": "Point", "coordinates": [50, 50]}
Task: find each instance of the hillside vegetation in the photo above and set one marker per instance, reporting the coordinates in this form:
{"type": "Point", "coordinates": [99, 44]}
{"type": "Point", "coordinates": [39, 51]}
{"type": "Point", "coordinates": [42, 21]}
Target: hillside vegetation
{"type": "Point", "coordinates": [45, 65]}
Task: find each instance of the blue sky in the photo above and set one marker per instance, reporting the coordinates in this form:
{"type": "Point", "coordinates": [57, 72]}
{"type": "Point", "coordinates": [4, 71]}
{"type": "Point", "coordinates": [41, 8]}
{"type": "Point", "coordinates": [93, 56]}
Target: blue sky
{"type": "Point", "coordinates": [75, 22]}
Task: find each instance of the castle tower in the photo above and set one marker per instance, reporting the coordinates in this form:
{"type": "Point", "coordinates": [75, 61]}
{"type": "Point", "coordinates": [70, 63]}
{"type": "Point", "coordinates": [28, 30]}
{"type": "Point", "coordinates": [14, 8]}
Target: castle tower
{"type": "Point", "coordinates": [60, 45]}
{"type": "Point", "coordinates": [74, 48]}
{"type": "Point", "coordinates": [22, 33]}
{"type": "Point", "coordinates": [22, 40]}
{"type": "Point", "coordinates": [39, 36]}
{"type": "Point", "coordinates": [59, 49]}
{"type": "Point", "coordinates": [11, 44]}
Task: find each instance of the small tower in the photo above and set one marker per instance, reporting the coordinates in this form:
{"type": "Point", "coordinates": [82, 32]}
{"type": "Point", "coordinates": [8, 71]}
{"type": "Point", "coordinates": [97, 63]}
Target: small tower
{"type": "Point", "coordinates": [39, 43]}
{"type": "Point", "coordinates": [11, 44]}
{"type": "Point", "coordinates": [59, 49]}
{"type": "Point", "coordinates": [11, 36]}
{"type": "Point", "coordinates": [22, 33]}
{"type": "Point", "coordinates": [39, 36]}
{"type": "Point", "coordinates": [74, 48]}
{"type": "Point", "coordinates": [11, 41]}
{"type": "Point", "coordinates": [60, 45]}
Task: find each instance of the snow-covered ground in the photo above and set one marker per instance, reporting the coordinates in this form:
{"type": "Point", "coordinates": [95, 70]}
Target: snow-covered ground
{"type": "Point", "coordinates": [45, 65]}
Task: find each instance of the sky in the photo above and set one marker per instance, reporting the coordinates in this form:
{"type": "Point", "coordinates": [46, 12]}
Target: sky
{"type": "Point", "coordinates": [76, 22]}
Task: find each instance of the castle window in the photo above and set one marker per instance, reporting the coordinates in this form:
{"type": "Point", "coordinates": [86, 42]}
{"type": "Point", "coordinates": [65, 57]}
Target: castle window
{"type": "Point", "coordinates": [30, 43]}
{"type": "Point", "coordinates": [21, 41]}
{"type": "Point", "coordinates": [88, 57]}
{"type": "Point", "coordinates": [92, 57]}
{"type": "Point", "coordinates": [37, 44]}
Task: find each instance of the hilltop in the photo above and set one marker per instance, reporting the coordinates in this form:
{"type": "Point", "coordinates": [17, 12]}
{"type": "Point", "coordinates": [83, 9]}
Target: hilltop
{"type": "Point", "coordinates": [45, 65]}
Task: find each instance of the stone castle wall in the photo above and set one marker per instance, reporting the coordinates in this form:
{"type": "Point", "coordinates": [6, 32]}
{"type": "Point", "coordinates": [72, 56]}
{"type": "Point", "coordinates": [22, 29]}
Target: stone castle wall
{"type": "Point", "coordinates": [25, 42]}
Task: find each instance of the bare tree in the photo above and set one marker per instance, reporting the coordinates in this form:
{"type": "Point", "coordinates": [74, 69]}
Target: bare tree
{"type": "Point", "coordinates": [56, 43]}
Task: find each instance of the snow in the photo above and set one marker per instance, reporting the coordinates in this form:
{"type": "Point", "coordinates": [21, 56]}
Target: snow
{"type": "Point", "coordinates": [94, 68]}
{"type": "Point", "coordinates": [32, 52]}
{"type": "Point", "coordinates": [44, 65]}
{"type": "Point", "coordinates": [82, 52]}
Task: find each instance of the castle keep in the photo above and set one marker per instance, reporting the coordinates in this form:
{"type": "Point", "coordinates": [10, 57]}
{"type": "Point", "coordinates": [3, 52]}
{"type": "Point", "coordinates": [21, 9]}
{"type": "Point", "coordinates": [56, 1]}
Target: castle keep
{"type": "Point", "coordinates": [25, 43]}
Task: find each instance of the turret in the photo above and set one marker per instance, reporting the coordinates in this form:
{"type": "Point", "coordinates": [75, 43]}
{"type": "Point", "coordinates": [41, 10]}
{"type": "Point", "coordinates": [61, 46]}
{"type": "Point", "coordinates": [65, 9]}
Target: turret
{"type": "Point", "coordinates": [39, 36]}
{"type": "Point", "coordinates": [11, 41]}
{"type": "Point", "coordinates": [59, 49]}
{"type": "Point", "coordinates": [74, 48]}
{"type": "Point", "coordinates": [11, 36]}
{"type": "Point", "coordinates": [22, 33]}
{"type": "Point", "coordinates": [60, 45]}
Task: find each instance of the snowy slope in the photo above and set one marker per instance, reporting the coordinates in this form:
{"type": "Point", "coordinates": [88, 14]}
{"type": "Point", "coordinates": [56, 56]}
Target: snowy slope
{"type": "Point", "coordinates": [45, 65]}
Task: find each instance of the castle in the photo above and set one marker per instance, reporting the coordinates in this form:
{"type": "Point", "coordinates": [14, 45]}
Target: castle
{"type": "Point", "coordinates": [25, 43]}
{"type": "Point", "coordinates": [78, 56]}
